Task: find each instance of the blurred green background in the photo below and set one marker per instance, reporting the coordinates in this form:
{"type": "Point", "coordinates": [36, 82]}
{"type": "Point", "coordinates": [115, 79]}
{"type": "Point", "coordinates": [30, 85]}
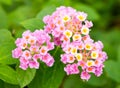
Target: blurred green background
{"type": "Point", "coordinates": [16, 16]}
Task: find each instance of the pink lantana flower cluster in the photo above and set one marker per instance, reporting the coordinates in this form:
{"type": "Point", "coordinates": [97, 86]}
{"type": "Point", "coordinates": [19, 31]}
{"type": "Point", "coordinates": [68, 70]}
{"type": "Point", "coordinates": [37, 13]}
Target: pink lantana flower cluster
{"type": "Point", "coordinates": [66, 24]}
{"type": "Point", "coordinates": [70, 29]}
{"type": "Point", "coordinates": [33, 46]}
{"type": "Point", "coordinates": [86, 55]}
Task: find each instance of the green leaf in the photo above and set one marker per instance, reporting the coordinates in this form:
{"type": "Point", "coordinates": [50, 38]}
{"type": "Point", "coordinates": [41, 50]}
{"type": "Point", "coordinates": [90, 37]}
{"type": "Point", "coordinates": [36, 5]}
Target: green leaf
{"type": "Point", "coordinates": [92, 14]}
{"type": "Point", "coordinates": [49, 77]}
{"type": "Point", "coordinates": [113, 70]}
{"type": "Point", "coordinates": [18, 32]}
{"type": "Point", "coordinates": [110, 50]}
{"type": "Point", "coordinates": [20, 14]}
{"type": "Point", "coordinates": [6, 47]}
{"type": "Point", "coordinates": [74, 81]}
{"type": "Point", "coordinates": [3, 18]}
{"type": "Point", "coordinates": [48, 10]}
{"type": "Point", "coordinates": [115, 33]}
{"type": "Point", "coordinates": [118, 86]}
{"type": "Point", "coordinates": [25, 76]}
{"type": "Point", "coordinates": [56, 2]}
{"type": "Point", "coordinates": [1, 84]}
{"type": "Point", "coordinates": [7, 85]}
{"type": "Point", "coordinates": [97, 81]}
{"type": "Point", "coordinates": [8, 75]}
{"type": "Point", "coordinates": [118, 53]}
{"type": "Point", "coordinates": [32, 24]}
{"type": "Point", "coordinates": [7, 2]}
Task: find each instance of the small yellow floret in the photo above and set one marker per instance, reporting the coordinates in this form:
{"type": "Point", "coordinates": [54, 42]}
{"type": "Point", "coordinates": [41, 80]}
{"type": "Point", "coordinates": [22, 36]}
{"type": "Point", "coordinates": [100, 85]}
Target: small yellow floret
{"type": "Point", "coordinates": [68, 33]}
{"type": "Point", "coordinates": [88, 47]}
{"type": "Point", "coordinates": [85, 30]}
{"type": "Point", "coordinates": [73, 50]}
{"type": "Point", "coordinates": [94, 55]}
{"type": "Point", "coordinates": [78, 56]}
{"type": "Point", "coordinates": [90, 63]}
{"type": "Point", "coordinates": [81, 18]}
{"type": "Point", "coordinates": [76, 37]}
{"type": "Point", "coordinates": [66, 18]}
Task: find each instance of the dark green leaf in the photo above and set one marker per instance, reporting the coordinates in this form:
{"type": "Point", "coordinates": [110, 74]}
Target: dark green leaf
{"type": "Point", "coordinates": [7, 85]}
{"type": "Point", "coordinates": [113, 70]}
{"type": "Point", "coordinates": [74, 81]}
{"type": "Point", "coordinates": [1, 83]}
{"type": "Point", "coordinates": [110, 50]}
{"type": "Point", "coordinates": [97, 81]}
{"type": "Point", "coordinates": [114, 40]}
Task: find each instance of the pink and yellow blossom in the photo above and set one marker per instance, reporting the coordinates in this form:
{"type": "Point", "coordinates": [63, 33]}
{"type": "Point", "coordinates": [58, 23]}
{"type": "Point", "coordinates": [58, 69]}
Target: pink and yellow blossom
{"type": "Point", "coordinates": [33, 46]}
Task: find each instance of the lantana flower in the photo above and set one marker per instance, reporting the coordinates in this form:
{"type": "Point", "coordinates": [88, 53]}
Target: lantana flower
{"type": "Point", "coordinates": [33, 46]}
{"type": "Point", "coordinates": [66, 24]}
{"type": "Point", "coordinates": [89, 57]}
{"type": "Point", "coordinates": [70, 29]}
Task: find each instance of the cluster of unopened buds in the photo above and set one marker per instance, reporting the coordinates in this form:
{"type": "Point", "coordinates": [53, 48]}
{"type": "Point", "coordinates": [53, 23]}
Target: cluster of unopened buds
{"type": "Point", "coordinates": [70, 30]}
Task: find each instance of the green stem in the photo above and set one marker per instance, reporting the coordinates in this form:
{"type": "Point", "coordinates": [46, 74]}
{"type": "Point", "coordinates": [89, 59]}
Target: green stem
{"type": "Point", "coordinates": [56, 50]}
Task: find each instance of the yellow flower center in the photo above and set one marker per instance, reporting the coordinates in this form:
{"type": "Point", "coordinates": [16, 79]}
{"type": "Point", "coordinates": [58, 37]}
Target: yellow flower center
{"type": "Point", "coordinates": [66, 18]}
{"type": "Point", "coordinates": [94, 55]}
{"type": "Point", "coordinates": [68, 33]}
{"type": "Point", "coordinates": [88, 47]}
{"type": "Point", "coordinates": [76, 37]}
{"type": "Point", "coordinates": [81, 18]}
{"type": "Point", "coordinates": [74, 50]}
{"type": "Point", "coordinates": [90, 63]}
{"type": "Point", "coordinates": [85, 30]}
{"type": "Point", "coordinates": [78, 56]}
